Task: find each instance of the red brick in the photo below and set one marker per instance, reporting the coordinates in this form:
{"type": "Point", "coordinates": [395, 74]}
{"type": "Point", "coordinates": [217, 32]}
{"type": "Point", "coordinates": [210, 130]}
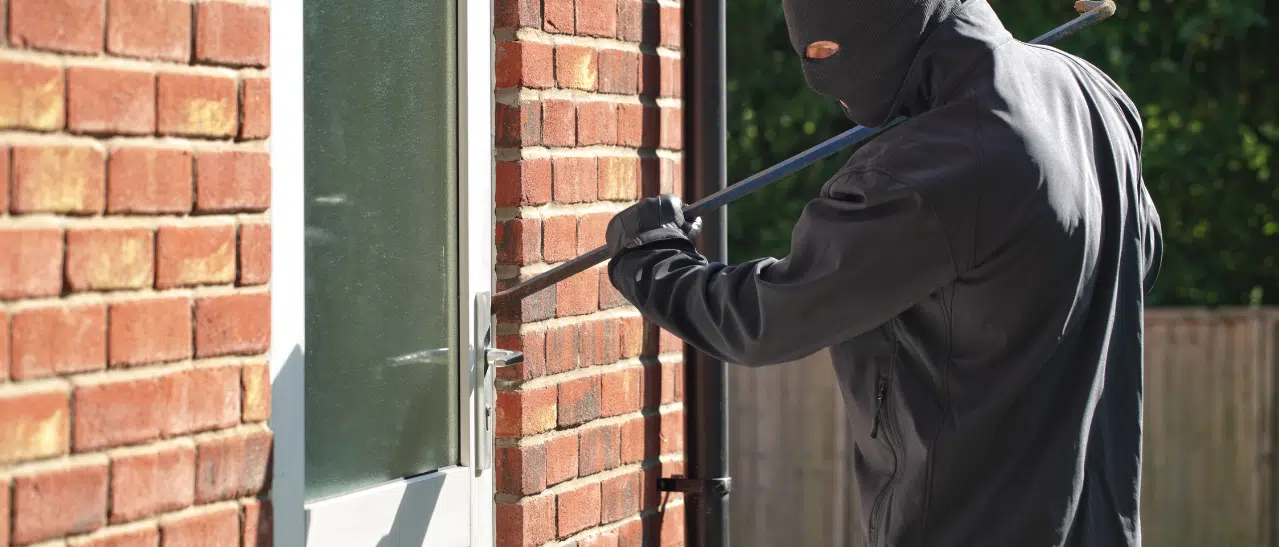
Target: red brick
{"type": "Point", "coordinates": [517, 13]}
{"type": "Point", "coordinates": [149, 29]}
{"type": "Point", "coordinates": [672, 128]}
{"type": "Point", "coordinates": [650, 75]}
{"type": "Point", "coordinates": [255, 380]}
{"type": "Point", "coordinates": [672, 77]}
{"type": "Point", "coordinates": [577, 509]}
{"type": "Point", "coordinates": [58, 179]}
{"type": "Point", "coordinates": [559, 238]}
{"type": "Point", "coordinates": [558, 16]}
{"type": "Point", "coordinates": [670, 343]}
{"type": "Point", "coordinates": [591, 229]}
{"type": "Point", "coordinates": [619, 70]}
{"type": "Point", "coordinates": [621, 497]}
{"type": "Point", "coordinates": [610, 297]}
{"type": "Point", "coordinates": [574, 179]}
{"type": "Point", "coordinates": [74, 26]}
{"type": "Point", "coordinates": [5, 161]}
{"type": "Point", "coordinates": [142, 534]}
{"type": "Point", "coordinates": [672, 439]}
{"type": "Point", "coordinates": [622, 391]}
{"type": "Point", "coordinates": [232, 324]}
{"type": "Point", "coordinates": [232, 180]}
{"type": "Point", "coordinates": [5, 497]}
{"type": "Point", "coordinates": [631, 533]}
{"type": "Point", "coordinates": [201, 399]}
{"type": "Point", "coordinates": [632, 336]}
{"type": "Point", "coordinates": [525, 412]}
{"type": "Point", "coordinates": [518, 241]}
{"type": "Point", "coordinates": [255, 108]}
{"type": "Point", "coordinates": [40, 340]}
{"type": "Point", "coordinates": [561, 349]}
{"type": "Point", "coordinates": [667, 527]}
{"type": "Point", "coordinates": [191, 255]}
{"type": "Point", "coordinates": [196, 105]}
{"type": "Point", "coordinates": [579, 401]}
{"type": "Point", "coordinates": [596, 123]}
{"type": "Point", "coordinates": [606, 538]}
{"type": "Point", "coordinates": [58, 501]}
{"type": "Point", "coordinates": [32, 262]}
{"type": "Point", "coordinates": [521, 470]}
{"type": "Point", "coordinates": [559, 118]}
{"type": "Point", "coordinates": [110, 258]}
{"type": "Point", "coordinates": [561, 458]}
{"type": "Point", "coordinates": [149, 180]}
{"type": "Point", "coordinates": [258, 526]}
{"type": "Point", "coordinates": [35, 423]}
{"type": "Point", "coordinates": [672, 27]}
{"type": "Point", "coordinates": [31, 95]}
{"type": "Point", "coordinates": [201, 527]}
{"type": "Point", "coordinates": [4, 345]}
{"type": "Point", "coordinates": [523, 182]}
{"type": "Point", "coordinates": [255, 253]}
{"type": "Point", "coordinates": [109, 100]}
{"type": "Point", "coordinates": [533, 346]}
{"type": "Point", "coordinates": [619, 178]}
{"type": "Point", "coordinates": [578, 294]}
{"type": "Point", "coordinates": [630, 21]}
{"type": "Point", "coordinates": [589, 347]}
{"type": "Point", "coordinates": [576, 67]}
{"type": "Point", "coordinates": [529, 523]}
{"type": "Point", "coordinates": [519, 125]}
{"type": "Point", "coordinates": [153, 480]}
{"type": "Point", "coordinates": [524, 64]}
{"type": "Point", "coordinates": [639, 438]}
{"type": "Point", "coordinates": [118, 411]}
{"type": "Point", "coordinates": [600, 449]}
{"type": "Point", "coordinates": [535, 307]}
{"type": "Point", "coordinates": [597, 18]}
{"type": "Point", "coordinates": [232, 33]}
{"type": "Point", "coordinates": [152, 330]}
{"type": "Point", "coordinates": [232, 465]}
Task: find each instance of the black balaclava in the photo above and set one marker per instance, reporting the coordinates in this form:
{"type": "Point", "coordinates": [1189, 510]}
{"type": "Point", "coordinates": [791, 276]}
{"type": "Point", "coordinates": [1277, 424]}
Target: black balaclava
{"type": "Point", "coordinates": [877, 42]}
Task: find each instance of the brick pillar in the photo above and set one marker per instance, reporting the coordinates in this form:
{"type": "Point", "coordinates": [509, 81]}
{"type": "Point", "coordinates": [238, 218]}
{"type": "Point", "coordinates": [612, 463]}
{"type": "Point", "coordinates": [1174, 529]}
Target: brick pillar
{"type": "Point", "coordinates": [588, 120]}
{"type": "Point", "coordinates": [134, 262]}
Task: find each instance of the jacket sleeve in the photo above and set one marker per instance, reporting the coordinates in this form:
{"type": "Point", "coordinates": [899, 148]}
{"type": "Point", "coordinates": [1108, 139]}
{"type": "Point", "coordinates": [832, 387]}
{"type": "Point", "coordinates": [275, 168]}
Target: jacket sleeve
{"type": "Point", "coordinates": [862, 253]}
{"type": "Point", "coordinates": [1152, 241]}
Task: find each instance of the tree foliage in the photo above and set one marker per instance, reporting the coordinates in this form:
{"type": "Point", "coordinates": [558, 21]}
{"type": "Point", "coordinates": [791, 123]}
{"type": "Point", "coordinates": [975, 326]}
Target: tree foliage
{"type": "Point", "coordinates": [1202, 73]}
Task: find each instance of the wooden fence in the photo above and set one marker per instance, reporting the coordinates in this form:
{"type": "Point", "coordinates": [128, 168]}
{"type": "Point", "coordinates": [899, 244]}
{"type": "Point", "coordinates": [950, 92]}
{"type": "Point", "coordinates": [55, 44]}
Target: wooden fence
{"type": "Point", "coordinates": [1211, 436]}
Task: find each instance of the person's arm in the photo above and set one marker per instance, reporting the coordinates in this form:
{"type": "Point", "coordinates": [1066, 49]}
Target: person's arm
{"type": "Point", "coordinates": [865, 251]}
{"type": "Point", "coordinates": [1152, 239]}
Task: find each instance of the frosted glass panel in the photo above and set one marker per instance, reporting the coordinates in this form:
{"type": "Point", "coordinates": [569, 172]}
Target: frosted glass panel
{"type": "Point", "coordinates": [381, 266]}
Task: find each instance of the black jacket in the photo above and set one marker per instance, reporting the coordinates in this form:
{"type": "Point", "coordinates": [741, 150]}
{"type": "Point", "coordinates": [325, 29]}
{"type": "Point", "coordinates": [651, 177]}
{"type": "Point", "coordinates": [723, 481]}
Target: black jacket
{"type": "Point", "coordinates": [979, 273]}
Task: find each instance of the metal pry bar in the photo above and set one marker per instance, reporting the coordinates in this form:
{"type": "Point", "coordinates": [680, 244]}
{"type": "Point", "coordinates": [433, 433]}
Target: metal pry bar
{"type": "Point", "coordinates": [1092, 12]}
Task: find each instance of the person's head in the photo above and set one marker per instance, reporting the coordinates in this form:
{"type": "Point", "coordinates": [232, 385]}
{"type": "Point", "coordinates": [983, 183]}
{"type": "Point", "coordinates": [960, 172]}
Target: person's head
{"type": "Point", "coordinates": [859, 51]}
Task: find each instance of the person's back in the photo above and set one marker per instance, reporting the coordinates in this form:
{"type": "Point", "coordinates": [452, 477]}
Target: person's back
{"type": "Point", "coordinates": [1018, 421]}
{"type": "Point", "coordinates": [978, 272]}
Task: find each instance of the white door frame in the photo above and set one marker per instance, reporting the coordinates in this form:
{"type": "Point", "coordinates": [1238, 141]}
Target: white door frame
{"type": "Point", "coordinates": [475, 212]}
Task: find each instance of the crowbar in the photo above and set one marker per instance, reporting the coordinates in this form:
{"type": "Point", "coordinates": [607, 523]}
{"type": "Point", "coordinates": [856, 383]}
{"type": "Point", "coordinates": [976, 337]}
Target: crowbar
{"type": "Point", "coordinates": [1092, 12]}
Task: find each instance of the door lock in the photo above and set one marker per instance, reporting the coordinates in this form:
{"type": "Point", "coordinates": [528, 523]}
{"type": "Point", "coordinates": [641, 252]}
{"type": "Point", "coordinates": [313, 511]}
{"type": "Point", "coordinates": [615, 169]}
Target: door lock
{"type": "Point", "coordinates": [488, 360]}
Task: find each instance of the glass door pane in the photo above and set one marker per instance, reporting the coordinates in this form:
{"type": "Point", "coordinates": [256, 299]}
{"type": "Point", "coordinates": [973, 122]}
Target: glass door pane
{"type": "Point", "coordinates": [381, 247]}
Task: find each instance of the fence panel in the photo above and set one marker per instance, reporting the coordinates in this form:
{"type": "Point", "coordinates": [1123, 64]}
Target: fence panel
{"type": "Point", "coordinates": [1210, 434]}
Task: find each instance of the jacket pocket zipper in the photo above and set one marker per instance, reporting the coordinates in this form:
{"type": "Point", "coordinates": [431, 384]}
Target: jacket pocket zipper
{"type": "Point", "coordinates": [881, 399]}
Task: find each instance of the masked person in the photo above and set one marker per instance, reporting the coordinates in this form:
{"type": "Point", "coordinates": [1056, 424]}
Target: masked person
{"type": "Point", "coordinates": [978, 273]}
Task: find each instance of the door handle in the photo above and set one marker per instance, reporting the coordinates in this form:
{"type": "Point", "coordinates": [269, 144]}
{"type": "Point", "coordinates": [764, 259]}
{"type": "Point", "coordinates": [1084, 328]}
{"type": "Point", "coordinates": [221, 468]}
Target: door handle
{"type": "Point", "coordinates": [489, 359]}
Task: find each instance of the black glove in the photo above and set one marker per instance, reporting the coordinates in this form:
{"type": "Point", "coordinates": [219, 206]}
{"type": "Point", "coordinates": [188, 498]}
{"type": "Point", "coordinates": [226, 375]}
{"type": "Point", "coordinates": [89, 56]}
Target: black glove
{"type": "Point", "coordinates": [651, 219]}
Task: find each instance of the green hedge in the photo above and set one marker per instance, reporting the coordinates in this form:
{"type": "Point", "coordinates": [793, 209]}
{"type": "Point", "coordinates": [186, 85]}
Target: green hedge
{"type": "Point", "coordinates": [1198, 71]}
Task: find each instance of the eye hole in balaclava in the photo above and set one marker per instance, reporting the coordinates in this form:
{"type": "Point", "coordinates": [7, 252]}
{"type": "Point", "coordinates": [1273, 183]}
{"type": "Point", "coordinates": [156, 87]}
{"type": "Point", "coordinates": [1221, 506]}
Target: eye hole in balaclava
{"type": "Point", "coordinates": [821, 49]}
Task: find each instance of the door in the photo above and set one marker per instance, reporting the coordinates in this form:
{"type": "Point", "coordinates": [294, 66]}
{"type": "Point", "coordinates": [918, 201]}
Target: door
{"type": "Point", "coordinates": [396, 236]}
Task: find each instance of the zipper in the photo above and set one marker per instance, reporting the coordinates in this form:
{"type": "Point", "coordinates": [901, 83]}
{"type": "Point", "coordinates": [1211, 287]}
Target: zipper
{"type": "Point", "coordinates": [882, 415]}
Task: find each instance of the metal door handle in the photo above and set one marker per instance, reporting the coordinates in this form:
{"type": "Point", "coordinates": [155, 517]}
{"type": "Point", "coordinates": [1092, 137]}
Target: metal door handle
{"type": "Point", "coordinates": [503, 357]}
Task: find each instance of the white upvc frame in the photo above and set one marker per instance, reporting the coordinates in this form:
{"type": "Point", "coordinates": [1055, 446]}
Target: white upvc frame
{"type": "Point", "coordinates": [377, 507]}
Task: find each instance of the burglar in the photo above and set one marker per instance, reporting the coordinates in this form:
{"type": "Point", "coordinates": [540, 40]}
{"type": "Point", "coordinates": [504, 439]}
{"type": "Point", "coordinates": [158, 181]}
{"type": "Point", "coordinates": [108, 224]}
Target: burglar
{"type": "Point", "coordinates": [978, 272]}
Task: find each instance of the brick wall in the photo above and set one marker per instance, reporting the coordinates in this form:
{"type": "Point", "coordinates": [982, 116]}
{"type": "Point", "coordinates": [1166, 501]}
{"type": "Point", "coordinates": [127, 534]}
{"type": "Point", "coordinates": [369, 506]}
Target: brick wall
{"type": "Point", "coordinates": [588, 119]}
{"type": "Point", "coordinates": [134, 257]}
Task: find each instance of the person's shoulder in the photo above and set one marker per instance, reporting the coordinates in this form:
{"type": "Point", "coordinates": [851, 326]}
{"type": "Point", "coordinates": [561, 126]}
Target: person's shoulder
{"type": "Point", "coordinates": [939, 147]}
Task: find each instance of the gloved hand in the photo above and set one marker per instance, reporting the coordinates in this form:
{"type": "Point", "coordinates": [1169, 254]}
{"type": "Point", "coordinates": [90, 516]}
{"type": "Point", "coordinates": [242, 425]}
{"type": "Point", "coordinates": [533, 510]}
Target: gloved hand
{"type": "Point", "coordinates": [651, 219]}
